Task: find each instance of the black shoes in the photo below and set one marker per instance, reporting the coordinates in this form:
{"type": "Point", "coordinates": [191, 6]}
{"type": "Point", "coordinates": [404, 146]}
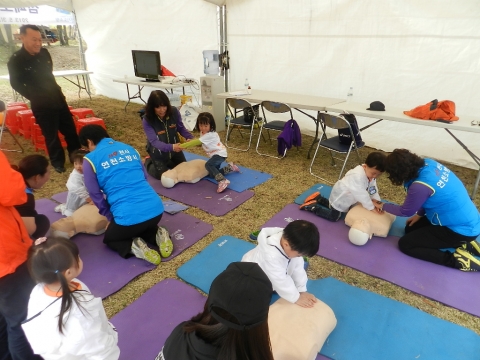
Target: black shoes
{"type": "Point", "coordinates": [60, 169]}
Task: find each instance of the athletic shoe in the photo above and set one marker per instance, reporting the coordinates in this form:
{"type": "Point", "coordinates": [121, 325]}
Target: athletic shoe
{"type": "Point", "coordinates": [222, 185]}
{"type": "Point", "coordinates": [60, 169]}
{"type": "Point", "coordinates": [141, 250]}
{"type": "Point", "coordinates": [60, 208]}
{"type": "Point", "coordinates": [234, 167]}
{"type": "Point", "coordinates": [312, 197]}
{"type": "Point", "coordinates": [164, 242]}
{"type": "Point", "coordinates": [466, 261]}
{"type": "Point", "coordinates": [309, 205]}
{"type": "Point", "coordinates": [254, 235]}
{"type": "Point", "coordinates": [472, 247]}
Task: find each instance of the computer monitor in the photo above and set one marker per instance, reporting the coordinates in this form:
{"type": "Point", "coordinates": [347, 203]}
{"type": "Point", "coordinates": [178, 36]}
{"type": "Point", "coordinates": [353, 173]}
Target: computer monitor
{"type": "Point", "coordinates": [147, 64]}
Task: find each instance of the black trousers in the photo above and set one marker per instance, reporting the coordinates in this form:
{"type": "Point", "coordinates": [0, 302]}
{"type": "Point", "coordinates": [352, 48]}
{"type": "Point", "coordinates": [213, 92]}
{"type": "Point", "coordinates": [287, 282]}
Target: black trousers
{"type": "Point", "coordinates": [52, 121]}
{"type": "Point", "coordinates": [43, 225]}
{"type": "Point", "coordinates": [423, 240]}
{"type": "Point", "coordinates": [119, 237]}
{"type": "Point", "coordinates": [161, 165]}
{"type": "Point", "coordinates": [15, 292]}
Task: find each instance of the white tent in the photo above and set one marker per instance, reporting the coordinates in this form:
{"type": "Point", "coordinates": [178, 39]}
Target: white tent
{"type": "Point", "coordinates": [403, 53]}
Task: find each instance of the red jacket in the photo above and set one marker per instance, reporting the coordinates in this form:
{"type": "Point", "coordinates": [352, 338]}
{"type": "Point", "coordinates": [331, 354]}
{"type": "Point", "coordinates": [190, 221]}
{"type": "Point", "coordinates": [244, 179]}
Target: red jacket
{"type": "Point", "coordinates": [434, 110]}
{"type": "Point", "coordinates": [14, 239]}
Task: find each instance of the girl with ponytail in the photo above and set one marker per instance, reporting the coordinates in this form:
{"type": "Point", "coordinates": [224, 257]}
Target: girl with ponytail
{"type": "Point", "coordinates": [65, 320]}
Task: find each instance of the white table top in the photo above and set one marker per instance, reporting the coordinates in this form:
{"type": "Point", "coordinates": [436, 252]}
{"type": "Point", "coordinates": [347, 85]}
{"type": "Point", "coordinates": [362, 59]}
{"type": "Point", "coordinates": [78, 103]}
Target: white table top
{"type": "Point", "coordinates": [153, 84]}
{"type": "Point", "coordinates": [59, 73]}
{"type": "Point", "coordinates": [306, 102]}
{"type": "Point", "coordinates": [396, 114]}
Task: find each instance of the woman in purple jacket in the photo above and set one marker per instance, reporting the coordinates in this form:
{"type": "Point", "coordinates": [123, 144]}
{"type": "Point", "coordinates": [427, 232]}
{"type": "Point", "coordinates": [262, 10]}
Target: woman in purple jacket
{"type": "Point", "coordinates": [162, 123]}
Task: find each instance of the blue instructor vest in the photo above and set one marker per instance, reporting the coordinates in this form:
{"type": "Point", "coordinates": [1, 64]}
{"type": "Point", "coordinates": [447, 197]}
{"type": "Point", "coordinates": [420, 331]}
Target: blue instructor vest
{"type": "Point", "coordinates": [121, 177]}
{"type": "Point", "coordinates": [449, 205]}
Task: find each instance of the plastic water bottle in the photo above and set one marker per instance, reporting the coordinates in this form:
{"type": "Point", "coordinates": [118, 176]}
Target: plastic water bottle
{"type": "Point", "coordinates": [247, 87]}
{"type": "Point", "coordinates": [350, 94]}
{"type": "Point", "coordinates": [227, 119]}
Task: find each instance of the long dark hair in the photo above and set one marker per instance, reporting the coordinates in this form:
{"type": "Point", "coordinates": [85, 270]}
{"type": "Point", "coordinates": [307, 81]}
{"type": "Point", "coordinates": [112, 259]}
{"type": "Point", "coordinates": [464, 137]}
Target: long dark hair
{"type": "Point", "coordinates": [402, 165]}
{"type": "Point", "coordinates": [205, 118]}
{"type": "Point", "coordinates": [157, 98]}
{"type": "Point", "coordinates": [252, 344]}
{"type": "Point", "coordinates": [47, 263]}
{"type": "Point", "coordinates": [32, 165]}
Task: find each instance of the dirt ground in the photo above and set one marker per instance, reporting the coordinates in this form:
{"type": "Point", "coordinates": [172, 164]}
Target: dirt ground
{"type": "Point", "coordinates": [290, 178]}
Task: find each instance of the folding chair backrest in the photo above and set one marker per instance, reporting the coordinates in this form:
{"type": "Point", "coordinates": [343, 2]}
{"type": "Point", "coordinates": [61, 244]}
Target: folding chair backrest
{"type": "Point", "coordinates": [276, 107]}
{"type": "Point", "coordinates": [238, 105]}
{"type": "Point", "coordinates": [335, 122]}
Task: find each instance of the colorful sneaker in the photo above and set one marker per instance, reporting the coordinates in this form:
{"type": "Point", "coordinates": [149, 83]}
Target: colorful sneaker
{"type": "Point", "coordinates": [141, 250]}
{"type": "Point", "coordinates": [308, 205]}
{"type": "Point", "coordinates": [222, 185]}
{"type": "Point", "coordinates": [60, 208]}
{"type": "Point", "coordinates": [466, 261]}
{"type": "Point", "coordinates": [312, 197]}
{"type": "Point", "coordinates": [254, 235]}
{"type": "Point", "coordinates": [234, 167]}
{"type": "Point", "coordinates": [164, 242]}
{"type": "Point", "coordinates": [472, 247]}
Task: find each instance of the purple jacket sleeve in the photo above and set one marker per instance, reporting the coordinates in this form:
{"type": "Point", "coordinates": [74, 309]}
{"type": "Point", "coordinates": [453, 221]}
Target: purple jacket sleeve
{"type": "Point", "coordinates": [181, 128]}
{"type": "Point", "coordinates": [416, 196]}
{"type": "Point", "coordinates": [153, 139]}
{"type": "Point", "coordinates": [96, 194]}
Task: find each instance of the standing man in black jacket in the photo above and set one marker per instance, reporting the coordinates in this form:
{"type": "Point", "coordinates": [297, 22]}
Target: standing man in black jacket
{"type": "Point", "coordinates": [31, 75]}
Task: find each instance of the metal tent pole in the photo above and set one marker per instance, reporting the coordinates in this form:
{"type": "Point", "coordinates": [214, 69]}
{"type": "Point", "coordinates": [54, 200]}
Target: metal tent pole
{"type": "Point", "coordinates": [82, 52]}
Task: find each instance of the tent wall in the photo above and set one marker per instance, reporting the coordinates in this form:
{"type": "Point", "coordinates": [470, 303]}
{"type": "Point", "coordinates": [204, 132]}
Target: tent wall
{"type": "Point", "coordinates": [179, 29]}
{"type": "Point", "coordinates": [403, 53]}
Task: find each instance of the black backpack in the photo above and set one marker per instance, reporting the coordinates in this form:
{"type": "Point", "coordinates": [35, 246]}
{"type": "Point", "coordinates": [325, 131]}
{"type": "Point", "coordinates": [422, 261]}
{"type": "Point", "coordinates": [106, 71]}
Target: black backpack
{"type": "Point", "coordinates": [344, 134]}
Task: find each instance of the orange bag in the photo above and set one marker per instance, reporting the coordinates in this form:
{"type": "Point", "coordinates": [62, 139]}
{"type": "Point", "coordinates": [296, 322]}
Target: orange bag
{"type": "Point", "coordinates": [434, 110]}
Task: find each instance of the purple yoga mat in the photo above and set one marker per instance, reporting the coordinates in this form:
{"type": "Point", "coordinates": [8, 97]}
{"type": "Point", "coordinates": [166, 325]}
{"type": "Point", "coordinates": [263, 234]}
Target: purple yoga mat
{"type": "Point", "coordinates": [203, 195]}
{"type": "Point", "coordinates": [144, 325]}
{"type": "Point", "coordinates": [380, 257]}
{"type": "Point", "coordinates": [104, 271]}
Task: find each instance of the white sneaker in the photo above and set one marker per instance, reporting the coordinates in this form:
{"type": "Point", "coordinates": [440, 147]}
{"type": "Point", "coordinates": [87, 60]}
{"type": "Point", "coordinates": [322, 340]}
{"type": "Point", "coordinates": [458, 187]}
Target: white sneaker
{"type": "Point", "coordinates": [222, 185]}
{"type": "Point", "coordinates": [164, 242]}
{"type": "Point", "coordinates": [141, 250]}
{"type": "Point", "coordinates": [60, 208]}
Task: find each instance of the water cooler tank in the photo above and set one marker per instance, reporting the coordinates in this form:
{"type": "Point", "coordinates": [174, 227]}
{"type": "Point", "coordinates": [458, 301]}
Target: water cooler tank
{"type": "Point", "coordinates": [210, 86]}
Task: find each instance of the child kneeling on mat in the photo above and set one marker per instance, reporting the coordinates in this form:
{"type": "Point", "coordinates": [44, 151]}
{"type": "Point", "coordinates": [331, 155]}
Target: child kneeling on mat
{"type": "Point", "coordinates": [359, 185]}
{"type": "Point", "coordinates": [280, 255]}
{"type": "Point", "coordinates": [65, 321]}
{"type": "Point", "coordinates": [214, 148]}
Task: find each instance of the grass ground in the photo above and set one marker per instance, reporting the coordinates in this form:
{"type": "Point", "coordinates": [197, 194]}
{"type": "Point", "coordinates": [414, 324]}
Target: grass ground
{"type": "Point", "coordinates": [290, 179]}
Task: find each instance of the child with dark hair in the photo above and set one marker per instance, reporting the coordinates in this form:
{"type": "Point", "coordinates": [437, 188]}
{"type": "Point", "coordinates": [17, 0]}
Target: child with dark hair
{"type": "Point", "coordinates": [77, 192]}
{"type": "Point", "coordinates": [280, 254]}
{"type": "Point", "coordinates": [215, 149]}
{"type": "Point", "coordinates": [359, 185]}
{"type": "Point", "coordinates": [65, 320]}
{"type": "Point", "coordinates": [35, 170]}
{"type": "Point", "coordinates": [234, 321]}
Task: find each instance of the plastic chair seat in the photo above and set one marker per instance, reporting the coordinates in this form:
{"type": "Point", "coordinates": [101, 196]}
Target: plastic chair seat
{"type": "Point", "coordinates": [80, 123]}
{"type": "Point", "coordinates": [275, 125]}
{"type": "Point", "coordinates": [18, 103]}
{"type": "Point", "coordinates": [335, 145]}
{"type": "Point", "coordinates": [82, 113]}
{"type": "Point", "coordinates": [24, 123]}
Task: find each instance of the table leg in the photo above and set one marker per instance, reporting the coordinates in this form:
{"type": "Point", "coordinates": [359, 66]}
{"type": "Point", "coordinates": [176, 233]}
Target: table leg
{"type": "Point", "coordinates": [86, 87]}
{"type": "Point", "coordinates": [138, 95]}
{"type": "Point", "coordinates": [317, 121]}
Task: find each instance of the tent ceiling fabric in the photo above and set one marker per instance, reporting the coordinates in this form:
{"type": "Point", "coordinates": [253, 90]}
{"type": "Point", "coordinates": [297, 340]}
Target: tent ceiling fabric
{"type": "Point", "coordinates": [401, 53]}
{"type": "Point", "coordinates": [61, 4]}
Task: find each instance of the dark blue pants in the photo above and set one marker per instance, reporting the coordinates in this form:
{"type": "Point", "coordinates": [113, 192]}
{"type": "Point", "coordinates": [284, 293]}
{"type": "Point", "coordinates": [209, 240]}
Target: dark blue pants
{"type": "Point", "coordinates": [213, 167]}
{"type": "Point", "coordinates": [15, 292]}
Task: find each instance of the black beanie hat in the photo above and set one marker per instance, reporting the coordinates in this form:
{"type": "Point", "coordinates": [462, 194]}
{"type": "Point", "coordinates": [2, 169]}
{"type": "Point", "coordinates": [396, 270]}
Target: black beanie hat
{"type": "Point", "coordinates": [244, 291]}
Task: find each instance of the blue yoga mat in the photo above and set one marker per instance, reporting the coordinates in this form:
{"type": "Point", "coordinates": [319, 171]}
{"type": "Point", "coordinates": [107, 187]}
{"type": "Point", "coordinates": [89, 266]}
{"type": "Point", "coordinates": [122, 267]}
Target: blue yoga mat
{"type": "Point", "coordinates": [239, 182]}
{"type": "Point", "coordinates": [211, 261]}
{"type": "Point", "coordinates": [398, 226]}
{"type": "Point", "coordinates": [371, 326]}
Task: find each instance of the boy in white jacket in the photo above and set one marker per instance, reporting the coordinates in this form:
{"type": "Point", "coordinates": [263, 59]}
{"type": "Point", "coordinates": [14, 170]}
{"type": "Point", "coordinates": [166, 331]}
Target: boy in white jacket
{"type": "Point", "coordinates": [77, 192]}
{"type": "Point", "coordinates": [280, 255]}
{"type": "Point", "coordinates": [359, 185]}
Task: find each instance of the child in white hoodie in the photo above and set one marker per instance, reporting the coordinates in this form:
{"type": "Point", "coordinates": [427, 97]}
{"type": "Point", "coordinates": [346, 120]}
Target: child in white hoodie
{"type": "Point", "coordinates": [280, 255]}
{"type": "Point", "coordinates": [359, 185]}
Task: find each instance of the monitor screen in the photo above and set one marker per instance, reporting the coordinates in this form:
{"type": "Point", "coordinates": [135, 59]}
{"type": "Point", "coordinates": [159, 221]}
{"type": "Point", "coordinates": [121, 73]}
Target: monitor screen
{"type": "Point", "coordinates": [147, 64]}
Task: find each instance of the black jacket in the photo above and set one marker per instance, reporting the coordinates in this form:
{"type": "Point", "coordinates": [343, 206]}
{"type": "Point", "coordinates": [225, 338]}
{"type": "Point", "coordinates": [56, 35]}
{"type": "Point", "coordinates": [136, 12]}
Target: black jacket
{"type": "Point", "coordinates": [31, 76]}
{"type": "Point", "coordinates": [180, 345]}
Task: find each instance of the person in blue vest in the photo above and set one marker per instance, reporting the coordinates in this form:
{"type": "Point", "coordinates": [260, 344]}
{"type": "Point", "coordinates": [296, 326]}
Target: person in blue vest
{"type": "Point", "coordinates": [116, 181]}
{"type": "Point", "coordinates": [442, 214]}
{"type": "Point", "coordinates": [162, 123]}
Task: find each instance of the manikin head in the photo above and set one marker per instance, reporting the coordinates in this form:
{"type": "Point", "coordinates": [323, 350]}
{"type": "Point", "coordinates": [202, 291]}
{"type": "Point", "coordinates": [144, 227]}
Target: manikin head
{"type": "Point", "coordinates": [360, 232]}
